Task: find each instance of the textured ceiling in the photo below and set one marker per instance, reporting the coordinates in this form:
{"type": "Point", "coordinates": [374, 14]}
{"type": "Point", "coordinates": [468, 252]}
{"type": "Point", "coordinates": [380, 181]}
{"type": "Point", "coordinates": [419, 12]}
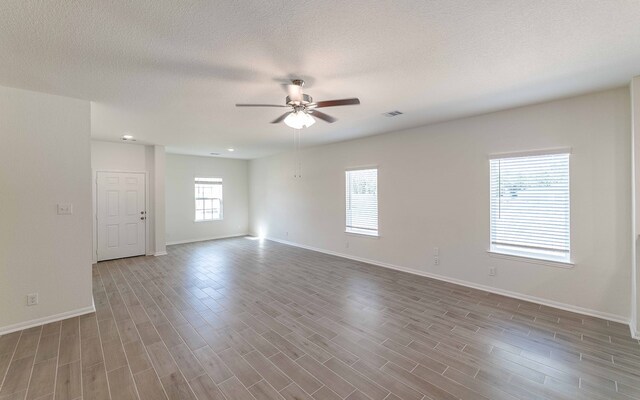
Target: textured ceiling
{"type": "Point", "coordinates": [170, 72]}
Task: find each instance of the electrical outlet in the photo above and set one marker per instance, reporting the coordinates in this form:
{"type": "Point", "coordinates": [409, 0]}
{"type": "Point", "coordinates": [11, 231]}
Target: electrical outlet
{"type": "Point", "coordinates": [286, 234]}
{"type": "Point", "coordinates": [32, 299]}
{"type": "Point", "coordinates": [436, 260]}
{"type": "Point", "coordinates": [436, 251]}
{"type": "Point", "coordinates": [65, 209]}
{"type": "Point", "coordinates": [492, 271]}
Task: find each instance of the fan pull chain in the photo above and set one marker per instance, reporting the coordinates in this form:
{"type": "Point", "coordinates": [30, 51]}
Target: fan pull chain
{"type": "Point", "coordinates": [295, 153]}
{"type": "Point", "coordinates": [299, 155]}
{"type": "Point", "coordinates": [297, 163]}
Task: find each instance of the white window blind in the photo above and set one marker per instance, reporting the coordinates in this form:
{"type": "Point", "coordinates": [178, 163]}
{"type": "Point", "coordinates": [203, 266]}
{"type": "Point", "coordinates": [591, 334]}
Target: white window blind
{"type": "Point", "coordinates": [208, 195]}
{"type": "Point", "coordinates": [362, 201]}
{"type": "Point", "coordinates": [530, 206]}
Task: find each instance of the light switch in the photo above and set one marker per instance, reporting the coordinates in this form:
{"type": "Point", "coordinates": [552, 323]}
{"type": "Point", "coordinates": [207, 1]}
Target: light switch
{"type": "Point", "coordinates": [65, 209]}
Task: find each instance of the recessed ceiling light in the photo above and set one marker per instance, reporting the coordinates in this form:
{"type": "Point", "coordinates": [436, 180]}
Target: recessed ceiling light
{"type": "Point", "coordinates": [128, 137]}
{"type": "Point", "coordinates": [231, 149]}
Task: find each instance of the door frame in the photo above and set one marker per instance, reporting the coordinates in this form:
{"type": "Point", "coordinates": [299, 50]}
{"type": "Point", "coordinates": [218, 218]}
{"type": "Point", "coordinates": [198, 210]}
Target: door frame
{"type": "Point", "coordinates": [94, 200]}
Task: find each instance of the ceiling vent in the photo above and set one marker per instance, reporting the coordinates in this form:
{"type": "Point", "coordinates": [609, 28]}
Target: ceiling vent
{"type": "Point", "coordinates": [392, 113]}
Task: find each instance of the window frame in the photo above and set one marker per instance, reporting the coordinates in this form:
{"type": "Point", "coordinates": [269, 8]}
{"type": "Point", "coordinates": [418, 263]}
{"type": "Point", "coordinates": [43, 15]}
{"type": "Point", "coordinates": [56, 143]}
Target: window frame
{"type": "Point", "coordinates": [195, 199]}
{"type": "Point", "coordinates": [356, 231]}
{"type": "Point", "coordinates": [522, 253]}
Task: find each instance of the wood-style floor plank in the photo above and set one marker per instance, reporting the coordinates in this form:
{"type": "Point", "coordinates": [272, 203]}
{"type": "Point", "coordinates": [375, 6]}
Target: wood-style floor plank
{"type": "Point", "coordinates": [249, 319]}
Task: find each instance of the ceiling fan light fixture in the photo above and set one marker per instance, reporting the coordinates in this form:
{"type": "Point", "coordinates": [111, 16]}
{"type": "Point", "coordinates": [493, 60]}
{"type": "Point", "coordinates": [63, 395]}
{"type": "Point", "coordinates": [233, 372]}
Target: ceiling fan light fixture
{"type": "Point", "coordinates": [299, 120]}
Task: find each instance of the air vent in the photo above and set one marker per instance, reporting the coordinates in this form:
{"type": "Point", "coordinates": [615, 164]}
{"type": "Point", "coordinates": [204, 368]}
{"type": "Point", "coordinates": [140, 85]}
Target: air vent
{"type": "Point", "coordinates": [392, 113]}
{"type": "Point", "coordinates": [215, 154]}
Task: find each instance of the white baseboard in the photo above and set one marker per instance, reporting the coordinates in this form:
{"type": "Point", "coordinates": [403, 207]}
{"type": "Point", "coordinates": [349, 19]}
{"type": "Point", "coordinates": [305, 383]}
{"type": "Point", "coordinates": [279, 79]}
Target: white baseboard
{"type": "Point", "coordinates": [159, 253]}
{"type": "Point", "coordinates": [632, 328]}
{"type": "Point", "coordinates": [207, 238]}
{"type": "Point", "coordinates": [45, 320]}
{"type": "Point", "coordinates": [508, 293]}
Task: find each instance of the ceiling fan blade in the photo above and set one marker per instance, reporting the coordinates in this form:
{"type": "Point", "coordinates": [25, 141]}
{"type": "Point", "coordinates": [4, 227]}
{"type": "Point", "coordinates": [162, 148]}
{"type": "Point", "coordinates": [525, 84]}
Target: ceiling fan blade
{"type": "Point", "coordinates": [323, 116]}
{"type": "Point", "coordinates": [281, 118]}
{"type": "Point", "coordinates": [259, 105]}
{"type": "Point", "coordinates": [334, 103]}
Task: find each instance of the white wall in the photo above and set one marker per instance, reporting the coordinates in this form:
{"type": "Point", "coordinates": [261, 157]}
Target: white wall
{"type": "Point", "coordinates": [158, 201]}
{"type": "Point", "coordinates": [132, 157]}
{"type": "Point", "coordinates": [635, 182]}
{"type": "Point", "coordinates": [180, 204]}
{"type": "Point", "coordinates": [111, 156]}
{"type": "Point", "coordinates": [44, 160]}
{"type": "Point", "coordinates": [434, 192]}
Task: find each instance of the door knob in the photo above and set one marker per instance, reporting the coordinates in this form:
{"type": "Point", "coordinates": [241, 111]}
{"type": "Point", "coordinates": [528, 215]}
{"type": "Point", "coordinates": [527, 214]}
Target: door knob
{"type": "Point", "coordinates": [141, 217]}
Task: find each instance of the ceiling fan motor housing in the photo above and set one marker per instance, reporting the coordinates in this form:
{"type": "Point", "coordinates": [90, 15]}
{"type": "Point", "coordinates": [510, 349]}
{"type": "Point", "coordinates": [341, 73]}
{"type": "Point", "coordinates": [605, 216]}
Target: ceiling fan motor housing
{"type": "Point", "coordinates": [306, 99]}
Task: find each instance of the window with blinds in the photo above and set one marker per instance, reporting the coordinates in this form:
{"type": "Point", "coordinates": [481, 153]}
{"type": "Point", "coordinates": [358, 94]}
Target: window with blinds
{"type": "Point", "coordinates": [362, 201]}
{"type": "Point", "coordinates": [530, 206]}
{"type": "Point", "coordinates": [208, 195]}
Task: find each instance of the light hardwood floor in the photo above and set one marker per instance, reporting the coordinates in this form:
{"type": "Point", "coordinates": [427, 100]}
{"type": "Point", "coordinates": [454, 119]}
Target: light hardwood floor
{"type": "Point", "coordinates": [242, 319]}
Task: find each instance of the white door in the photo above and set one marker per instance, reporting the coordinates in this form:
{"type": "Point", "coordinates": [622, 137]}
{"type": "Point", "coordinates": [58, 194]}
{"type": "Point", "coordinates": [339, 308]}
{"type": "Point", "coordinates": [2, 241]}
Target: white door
{"type": "Point", "coordinates": [121, 215]}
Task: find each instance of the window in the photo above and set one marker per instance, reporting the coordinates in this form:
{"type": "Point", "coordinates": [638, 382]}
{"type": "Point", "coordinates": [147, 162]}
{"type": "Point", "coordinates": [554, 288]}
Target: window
{"type": "Point", "coordinates": [530, 206]}
{"type": "Point", "coordinates": [208, 199]}
{"type": "Point", "coordinates": [362, 201]}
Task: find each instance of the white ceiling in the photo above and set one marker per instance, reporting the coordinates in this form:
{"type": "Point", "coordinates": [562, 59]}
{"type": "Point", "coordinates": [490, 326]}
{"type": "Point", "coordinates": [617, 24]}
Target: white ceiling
{"type": "Point", "coordinates": [171, 71]}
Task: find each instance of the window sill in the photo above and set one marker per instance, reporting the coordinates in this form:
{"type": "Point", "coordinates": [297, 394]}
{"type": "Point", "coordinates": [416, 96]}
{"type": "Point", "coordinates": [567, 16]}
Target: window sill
{"type": "Point", "coordinates": [369, 235]}
{"type": "Point", "coordinates": [531, 260]}
{"type": "Point", "coordinates": [197, 221]}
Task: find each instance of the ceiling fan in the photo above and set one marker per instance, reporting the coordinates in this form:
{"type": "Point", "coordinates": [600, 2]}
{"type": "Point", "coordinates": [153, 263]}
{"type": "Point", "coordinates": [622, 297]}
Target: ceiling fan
{"type": "Point", "coordinates": [302, 109]}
